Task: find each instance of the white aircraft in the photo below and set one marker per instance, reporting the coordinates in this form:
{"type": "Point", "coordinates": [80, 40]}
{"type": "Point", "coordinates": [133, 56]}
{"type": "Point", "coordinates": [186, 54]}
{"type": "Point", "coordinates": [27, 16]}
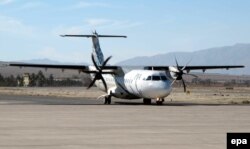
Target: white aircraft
{"type": "Point", "coordinates": [154, 82]}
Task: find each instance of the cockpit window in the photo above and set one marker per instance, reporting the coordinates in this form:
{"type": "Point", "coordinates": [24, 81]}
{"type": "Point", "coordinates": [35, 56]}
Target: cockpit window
{"type": "Point", "coordinates": [156, 78]}
{"type": "Point", "coordinates": [149, 78]}
{"type": "Point", "coordinates": [164, 78]}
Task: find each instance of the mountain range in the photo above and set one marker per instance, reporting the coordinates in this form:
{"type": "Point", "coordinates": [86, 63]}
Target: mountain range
{"type": "Point", "coordinates": [238, 54]}
{"type": "Point", "coordinates": [48, 61]}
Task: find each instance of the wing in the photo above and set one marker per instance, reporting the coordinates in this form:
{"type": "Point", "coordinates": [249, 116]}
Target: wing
{"type": "Point", "coordinates": [118, 70]}
{"type": "Point", "coordinates": [204, 68]}
{"type": "Point", "coordinates": [189, 68]}
{"type": "Point", "coordinates": [80, 68]}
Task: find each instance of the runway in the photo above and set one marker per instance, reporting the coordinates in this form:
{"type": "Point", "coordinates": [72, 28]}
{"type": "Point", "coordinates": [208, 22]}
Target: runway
{"type": "Point", "coordinates": [40, 122]}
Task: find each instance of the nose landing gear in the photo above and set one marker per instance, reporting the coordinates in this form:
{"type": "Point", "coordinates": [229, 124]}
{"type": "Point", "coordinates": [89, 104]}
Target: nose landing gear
{"type": "Point", "coordinates": [159, 101]}
{"type": "Point", "coordinates": [147, 101]}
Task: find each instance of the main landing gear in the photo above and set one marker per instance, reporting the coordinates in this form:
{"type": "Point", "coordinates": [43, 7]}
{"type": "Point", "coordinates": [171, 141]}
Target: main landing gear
{"type": "Point", "coordinates": [147, 101]}
{"type": "Point", "coordinates": [107, 100]}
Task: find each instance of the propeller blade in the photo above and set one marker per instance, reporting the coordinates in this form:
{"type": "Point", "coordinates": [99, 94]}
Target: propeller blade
{"type": "Point", "coordinates": [93, 60]}
{"type": "Point", "coordinates": [184, 85]}
{"type": "Point", "coordinates": [104, 83]}
{"type": "Point", "coordinates": [105, 62]}
{"type": "Point", "coordinates": [173, 82]}
{"type": "Point", "coordinates": [92, 83]}
{"type": "Point", "coordinates": [176, 63]}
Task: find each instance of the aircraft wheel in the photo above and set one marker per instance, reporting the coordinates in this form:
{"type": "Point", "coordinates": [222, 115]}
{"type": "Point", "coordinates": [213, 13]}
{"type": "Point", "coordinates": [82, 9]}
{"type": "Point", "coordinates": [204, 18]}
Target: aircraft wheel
{"type": "Point", "coordinates": [147, 101]}
{"type": "Point", "coordinates": [107, 100]}
{"type": "Point", "coordinates": [160, 101]}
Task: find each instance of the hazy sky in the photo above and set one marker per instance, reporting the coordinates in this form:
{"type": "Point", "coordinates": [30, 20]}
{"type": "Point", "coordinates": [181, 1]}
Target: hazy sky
{"type": "Point", "coordinates": [31, 29]}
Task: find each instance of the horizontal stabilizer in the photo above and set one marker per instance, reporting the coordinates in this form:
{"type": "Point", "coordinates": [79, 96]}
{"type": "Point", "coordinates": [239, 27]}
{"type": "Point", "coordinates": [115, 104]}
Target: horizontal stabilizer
{"type": "Point", "coordinates": [94, 35]}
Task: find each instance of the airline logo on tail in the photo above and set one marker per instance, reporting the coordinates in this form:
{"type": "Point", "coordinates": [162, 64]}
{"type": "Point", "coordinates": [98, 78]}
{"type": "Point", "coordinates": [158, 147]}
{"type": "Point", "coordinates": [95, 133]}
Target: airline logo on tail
{"type": "Point", "coordinates": [98, 55]}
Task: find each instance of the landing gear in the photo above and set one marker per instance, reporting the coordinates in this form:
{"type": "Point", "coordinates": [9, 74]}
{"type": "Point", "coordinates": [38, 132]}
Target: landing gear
{"type": "Point", "coordinates": [107, 100]}
{"type": "Point", "coordinates": [147, 101]}
{"type": "Point", "coordinates": [159, 101]}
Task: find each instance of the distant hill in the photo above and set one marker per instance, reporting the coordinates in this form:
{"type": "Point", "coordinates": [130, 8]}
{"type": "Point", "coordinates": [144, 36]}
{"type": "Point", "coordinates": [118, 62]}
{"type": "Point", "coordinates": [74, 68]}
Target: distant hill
{"type": "Point", "coordinates": [40, 61]}
{"type": "Point", "coordinates": [238, 54]}
{"type": "Point", "coordinates": [48, 61]}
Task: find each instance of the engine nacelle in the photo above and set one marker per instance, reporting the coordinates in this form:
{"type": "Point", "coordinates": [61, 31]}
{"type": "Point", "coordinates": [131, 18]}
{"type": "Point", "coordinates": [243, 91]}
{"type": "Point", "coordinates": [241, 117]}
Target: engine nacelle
{"type": "Point", "coordinates": [173, 72]}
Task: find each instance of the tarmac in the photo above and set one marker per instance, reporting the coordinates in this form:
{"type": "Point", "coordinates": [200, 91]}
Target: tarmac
{"type": "Point", "coordinates": [39, 122]}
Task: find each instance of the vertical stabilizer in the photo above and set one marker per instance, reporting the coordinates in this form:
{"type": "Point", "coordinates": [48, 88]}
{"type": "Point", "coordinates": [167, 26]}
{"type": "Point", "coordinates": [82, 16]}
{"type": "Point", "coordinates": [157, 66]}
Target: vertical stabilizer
{"type": "Point", "coordinates": [98, 55]}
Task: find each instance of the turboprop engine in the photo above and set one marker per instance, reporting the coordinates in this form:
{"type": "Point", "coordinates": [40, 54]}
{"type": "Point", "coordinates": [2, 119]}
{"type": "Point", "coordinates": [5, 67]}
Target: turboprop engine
{"type": "Point", "coordinates": [177, 73]}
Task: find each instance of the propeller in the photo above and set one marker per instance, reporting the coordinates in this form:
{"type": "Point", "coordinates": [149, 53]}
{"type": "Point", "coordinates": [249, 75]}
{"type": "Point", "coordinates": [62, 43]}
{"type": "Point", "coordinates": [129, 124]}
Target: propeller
{"type": "Point", "coordinates": [98, 72]}
{"type": "Point", "coordinates": [180, 72]}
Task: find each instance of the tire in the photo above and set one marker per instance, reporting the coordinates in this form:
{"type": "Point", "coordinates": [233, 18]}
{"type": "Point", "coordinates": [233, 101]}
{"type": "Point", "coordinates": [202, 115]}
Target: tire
{"type": "Point", "coordinates": [147, 101]}
{"type": "Point", "coordinates": [106, 100]}
{"type": "Point", "coordinates": [109, 100]}
{"type": "Point", "coordinates": [159, 102]}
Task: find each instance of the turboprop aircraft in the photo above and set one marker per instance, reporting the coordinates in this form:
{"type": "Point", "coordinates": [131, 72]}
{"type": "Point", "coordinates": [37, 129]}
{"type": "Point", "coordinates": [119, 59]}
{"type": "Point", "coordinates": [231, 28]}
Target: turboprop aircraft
{"type": "Point", "coordinates": [152, 82]}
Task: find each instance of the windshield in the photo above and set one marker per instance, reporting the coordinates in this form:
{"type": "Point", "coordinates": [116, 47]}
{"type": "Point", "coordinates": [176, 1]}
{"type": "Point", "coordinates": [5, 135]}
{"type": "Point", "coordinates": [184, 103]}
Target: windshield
{"type": "Point", "coordinates": [148, 78]}
{"type": "Point", "coordinates": [156, 78]}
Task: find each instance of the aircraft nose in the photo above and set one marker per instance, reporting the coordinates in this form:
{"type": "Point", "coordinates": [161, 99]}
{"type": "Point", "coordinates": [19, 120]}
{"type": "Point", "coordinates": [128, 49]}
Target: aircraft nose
{"type": "Point", "coordinates": [164, 90]}
{"type": "Point", "coordinates": [161, 90]}
{"type": "Point", "coordinates": [158, 89]}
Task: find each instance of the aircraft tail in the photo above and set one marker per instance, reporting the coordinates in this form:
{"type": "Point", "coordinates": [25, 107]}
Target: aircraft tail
{"type": "Point", "coordinates": [98, 55]}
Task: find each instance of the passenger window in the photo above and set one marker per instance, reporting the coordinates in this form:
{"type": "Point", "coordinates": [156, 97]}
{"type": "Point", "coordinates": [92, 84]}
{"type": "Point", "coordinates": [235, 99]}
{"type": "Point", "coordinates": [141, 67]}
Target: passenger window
{"type": "Point", "coordinates": [156, 78]}
{"type": "Point", "coordinates": [164, 78]}
{"type": "Point", "coordinates": [148, 78]}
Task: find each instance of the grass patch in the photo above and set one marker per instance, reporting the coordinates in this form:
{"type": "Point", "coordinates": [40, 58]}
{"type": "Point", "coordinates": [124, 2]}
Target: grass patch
{"type": "Point", "coordinates": [246, 102]}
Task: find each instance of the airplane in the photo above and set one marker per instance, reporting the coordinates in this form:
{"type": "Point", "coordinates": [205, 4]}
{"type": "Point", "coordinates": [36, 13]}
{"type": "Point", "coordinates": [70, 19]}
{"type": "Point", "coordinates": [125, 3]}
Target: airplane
{"type": "Point", "coordinates": [150, 83]}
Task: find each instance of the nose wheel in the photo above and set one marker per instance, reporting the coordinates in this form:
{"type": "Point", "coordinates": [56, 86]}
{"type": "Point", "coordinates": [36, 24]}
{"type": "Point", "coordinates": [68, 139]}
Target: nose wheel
{"type": "Point", "coordinates": [147, 101]}
{"type": "Point", "coordinates": [159, 101]}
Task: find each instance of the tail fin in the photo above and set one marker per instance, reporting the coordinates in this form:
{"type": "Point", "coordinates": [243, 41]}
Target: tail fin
{"type": "Point", "coordinates": [98, 55]}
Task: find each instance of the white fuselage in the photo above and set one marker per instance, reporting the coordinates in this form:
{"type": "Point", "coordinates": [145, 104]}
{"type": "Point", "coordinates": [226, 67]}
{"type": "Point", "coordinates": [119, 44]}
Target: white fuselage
{"type": "Point", "coordinates": [137, 84]}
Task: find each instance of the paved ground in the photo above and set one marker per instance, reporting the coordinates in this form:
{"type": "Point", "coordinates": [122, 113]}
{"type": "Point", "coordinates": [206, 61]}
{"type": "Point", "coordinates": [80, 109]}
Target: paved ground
{"type": "Point", "coordinates": [35, 122]}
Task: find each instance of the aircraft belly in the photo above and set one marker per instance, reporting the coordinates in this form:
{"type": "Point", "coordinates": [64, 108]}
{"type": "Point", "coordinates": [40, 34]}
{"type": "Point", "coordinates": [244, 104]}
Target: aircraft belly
{"type": "Point", "coordinates": [121, 92]}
